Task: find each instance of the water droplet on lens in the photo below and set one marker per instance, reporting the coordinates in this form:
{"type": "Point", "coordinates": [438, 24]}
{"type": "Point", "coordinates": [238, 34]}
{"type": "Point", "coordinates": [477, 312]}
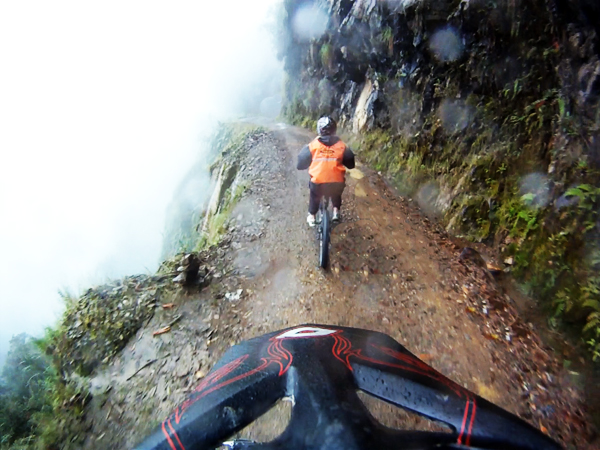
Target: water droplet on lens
{"type": "Point", "coordinates": [309, 22]}
{"type": "Point", "coordinates": [535, 189]}
{"type": "Point", "coordinates": [446, 44]}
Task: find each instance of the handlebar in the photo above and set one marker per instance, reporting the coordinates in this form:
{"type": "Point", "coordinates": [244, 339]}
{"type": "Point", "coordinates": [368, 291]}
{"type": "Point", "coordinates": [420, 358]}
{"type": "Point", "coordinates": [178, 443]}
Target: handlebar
{"type": "Point", "coordinates": [322, 368]}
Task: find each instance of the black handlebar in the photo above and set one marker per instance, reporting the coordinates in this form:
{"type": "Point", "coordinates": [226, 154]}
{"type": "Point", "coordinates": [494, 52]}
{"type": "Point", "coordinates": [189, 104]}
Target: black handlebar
{"type": "Point", "coordinates": [322, 368]}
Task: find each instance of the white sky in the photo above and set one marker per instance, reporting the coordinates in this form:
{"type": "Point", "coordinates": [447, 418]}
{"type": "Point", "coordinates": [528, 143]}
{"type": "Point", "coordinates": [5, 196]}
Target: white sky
{"type": "Point", "coordinates": [102, 109]}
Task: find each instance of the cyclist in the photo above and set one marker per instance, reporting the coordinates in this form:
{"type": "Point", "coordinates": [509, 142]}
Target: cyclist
{"type": "Point", "coordinates": [326, 159]}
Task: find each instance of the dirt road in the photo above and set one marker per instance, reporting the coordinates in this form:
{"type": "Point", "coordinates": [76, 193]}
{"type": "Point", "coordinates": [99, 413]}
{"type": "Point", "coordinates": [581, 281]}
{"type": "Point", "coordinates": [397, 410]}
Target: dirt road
{"type": "Point", "coordinates": [393, 270]}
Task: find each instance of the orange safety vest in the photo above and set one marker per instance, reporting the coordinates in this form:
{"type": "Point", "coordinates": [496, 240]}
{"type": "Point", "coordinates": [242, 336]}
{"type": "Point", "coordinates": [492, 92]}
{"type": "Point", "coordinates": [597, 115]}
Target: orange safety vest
{"type": "Point", "coordinates": [326, 166]}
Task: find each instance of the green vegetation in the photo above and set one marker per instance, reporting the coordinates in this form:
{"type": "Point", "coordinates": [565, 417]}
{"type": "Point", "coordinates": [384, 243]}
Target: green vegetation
{"type": "Point", "coordinates": [98, 324]}
{"type": "Point", "coordinates": [229, 143]}
{"type": "Point", "coordinates": [550, 242]}
{"type": "Point", "coordinates": [387, 39]}
{"type": "Point", "coordinates": [216, 226]}
{"type": "Point", "coordinates": [48, 377]}
{"type": "Point", "coordinates": [38, 409]}
{"type": "Point", "coordinates": [297, 113]}
{"type": "Point", "coordinates": [22, 390]}
{"type": "Point", "coordinates": [326, 55]}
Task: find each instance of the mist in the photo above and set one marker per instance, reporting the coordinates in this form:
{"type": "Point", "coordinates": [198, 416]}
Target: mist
{"type": "Point", "coordinates": [103, 108]}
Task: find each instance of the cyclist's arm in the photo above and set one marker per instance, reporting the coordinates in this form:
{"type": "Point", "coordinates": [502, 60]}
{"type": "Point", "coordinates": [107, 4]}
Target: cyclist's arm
{"type": "Point", "coordinates": [348, 159]}
{"type": "Point", "coordinates": [304, 158]}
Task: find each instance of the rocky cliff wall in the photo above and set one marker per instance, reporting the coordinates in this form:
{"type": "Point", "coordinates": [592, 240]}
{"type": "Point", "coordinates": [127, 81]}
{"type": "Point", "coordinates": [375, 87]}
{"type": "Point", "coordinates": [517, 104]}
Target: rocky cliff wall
{"type": "Point", "coordinates": [486, 111]}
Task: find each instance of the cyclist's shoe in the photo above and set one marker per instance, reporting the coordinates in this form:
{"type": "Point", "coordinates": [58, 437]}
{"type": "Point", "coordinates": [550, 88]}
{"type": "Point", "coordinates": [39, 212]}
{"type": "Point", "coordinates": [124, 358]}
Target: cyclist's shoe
{"type": "Point", "coordinates": [336, 215]}
{"type": "Point", "coordinates": [311, 220]}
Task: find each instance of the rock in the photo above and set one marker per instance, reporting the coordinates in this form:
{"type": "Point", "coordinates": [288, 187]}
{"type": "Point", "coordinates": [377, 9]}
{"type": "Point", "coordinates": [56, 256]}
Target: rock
{"type": "Point", "coordinates": [363, 114]}
{"type": "Point", "coordinates": [359, 191]}
{"type": "Point", "coordinates": [189, 268]}
{"type": "Point", "coordinates": [179, 278]}
{"type": "Point", "coordinates": [473, 256]}
{"type": "Point", "coordinates": [182, 371]}
{"type": "Point", "coordinates": [234, 296]}
{"type": "Point", "coordinates": [103, 320]}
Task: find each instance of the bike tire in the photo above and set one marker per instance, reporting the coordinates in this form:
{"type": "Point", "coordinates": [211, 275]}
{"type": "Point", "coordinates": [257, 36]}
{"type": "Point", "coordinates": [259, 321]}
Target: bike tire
{"type": "Point", "coordinates": [324, 242]}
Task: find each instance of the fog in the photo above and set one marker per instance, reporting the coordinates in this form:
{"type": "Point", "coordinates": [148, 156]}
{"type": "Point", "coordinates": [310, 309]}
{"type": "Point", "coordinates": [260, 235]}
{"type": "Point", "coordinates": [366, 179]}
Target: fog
{"type": "Point", "coordinates": [103, 107]}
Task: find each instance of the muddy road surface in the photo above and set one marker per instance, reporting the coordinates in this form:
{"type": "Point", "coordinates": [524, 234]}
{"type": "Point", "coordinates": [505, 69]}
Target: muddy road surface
{"type": "Point", "coordinates": [393, 270]}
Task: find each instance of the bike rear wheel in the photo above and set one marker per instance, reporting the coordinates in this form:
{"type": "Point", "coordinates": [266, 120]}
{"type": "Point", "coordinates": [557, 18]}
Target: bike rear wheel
{"type": "Point", "coordinates": [325, 235]}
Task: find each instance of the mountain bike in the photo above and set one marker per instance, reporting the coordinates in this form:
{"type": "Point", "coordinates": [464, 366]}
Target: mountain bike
{"type": "Point", "coordinates": [321, 368]}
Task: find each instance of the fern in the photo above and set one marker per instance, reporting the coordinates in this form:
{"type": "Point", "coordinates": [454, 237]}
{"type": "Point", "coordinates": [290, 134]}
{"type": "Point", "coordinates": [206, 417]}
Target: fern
{"type": "Point", "coordinates": [593, 322]}
{"type": "Point", "coordinates": [594, 348]}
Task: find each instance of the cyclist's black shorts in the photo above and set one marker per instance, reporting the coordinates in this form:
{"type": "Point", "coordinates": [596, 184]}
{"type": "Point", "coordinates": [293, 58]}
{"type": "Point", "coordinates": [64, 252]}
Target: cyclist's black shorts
{"type": "Point", "coordinates": [333, 190]}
